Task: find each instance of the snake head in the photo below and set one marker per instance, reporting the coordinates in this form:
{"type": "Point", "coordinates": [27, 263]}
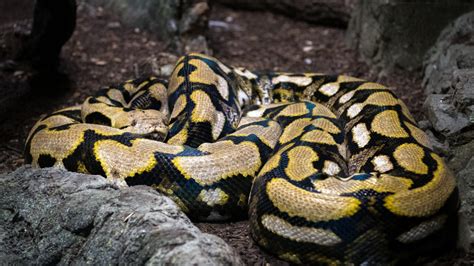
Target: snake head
{"type": "Point", "coordinates": [151, 124]}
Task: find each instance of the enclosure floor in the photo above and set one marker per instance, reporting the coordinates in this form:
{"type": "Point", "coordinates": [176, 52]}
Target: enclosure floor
{"type": "Point", "coordinates": [102, 52]}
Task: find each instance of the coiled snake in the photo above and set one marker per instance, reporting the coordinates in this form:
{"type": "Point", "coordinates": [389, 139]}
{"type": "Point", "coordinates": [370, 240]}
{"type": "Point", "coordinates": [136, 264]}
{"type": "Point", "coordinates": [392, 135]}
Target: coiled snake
{"type": "Point", "coordinates": [330, 169]}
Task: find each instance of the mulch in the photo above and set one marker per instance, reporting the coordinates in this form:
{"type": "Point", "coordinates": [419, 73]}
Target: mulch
{"type": "Point", "coordinates": [102, 51]}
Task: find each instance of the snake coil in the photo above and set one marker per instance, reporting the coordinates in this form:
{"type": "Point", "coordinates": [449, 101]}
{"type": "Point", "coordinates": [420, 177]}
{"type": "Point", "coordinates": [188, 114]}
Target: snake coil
{"type": "Point", "coordinates": [329, 168]}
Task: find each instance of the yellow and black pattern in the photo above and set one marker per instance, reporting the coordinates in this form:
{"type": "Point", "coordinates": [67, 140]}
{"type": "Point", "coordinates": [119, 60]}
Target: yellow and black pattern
{"type": "Point", "coordinates": [334, 168]}
{"type": "Point", "coordinates": [354, 181]}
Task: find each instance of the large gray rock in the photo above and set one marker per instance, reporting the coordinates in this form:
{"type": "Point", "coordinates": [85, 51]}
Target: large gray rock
{"type": "Point", "coordinates": [397, 33]}
{"type": "Point", "coordinates": [448, 82]}
{"type": "Point", "coordinates": [444, 116]}
{"type": "Point", "coordinates": [50, 216]}
{"type": "Point", "coordinates": [466, 187]}
{"type": "Point", "coordinates": [328, 12]}
{"type": "Point", "coordinates": [450, 57]}
{"type": "Point", "coordinates": [460, 156]}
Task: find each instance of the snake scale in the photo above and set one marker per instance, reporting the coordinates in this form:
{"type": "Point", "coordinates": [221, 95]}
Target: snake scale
{"type": "Point", "coordinates": [330, 169]}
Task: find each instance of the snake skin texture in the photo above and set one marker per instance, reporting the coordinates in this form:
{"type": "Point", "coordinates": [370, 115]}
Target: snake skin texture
{"type": "Point", "coordinates": [330, 169]}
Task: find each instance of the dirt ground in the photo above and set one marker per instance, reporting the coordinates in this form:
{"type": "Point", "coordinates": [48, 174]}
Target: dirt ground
{"type": "Point", "coordinates": [103, 52]}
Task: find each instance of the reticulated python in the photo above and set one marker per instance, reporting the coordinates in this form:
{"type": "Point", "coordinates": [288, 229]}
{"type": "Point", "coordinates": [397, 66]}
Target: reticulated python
{"type": "Point", "coordinates": [336, 168]}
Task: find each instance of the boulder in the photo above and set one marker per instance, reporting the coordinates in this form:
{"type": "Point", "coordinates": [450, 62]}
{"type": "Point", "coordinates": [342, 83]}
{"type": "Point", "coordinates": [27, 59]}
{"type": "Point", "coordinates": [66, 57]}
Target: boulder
{"type": "Point", "coordinates": [453, 51]}
{"type": "Point", "coordinates": [51, 216]}
{"type": "Point", "coordinates": [444, 116]}
{"type": "Point", "coordinates": [448, 83]}
{"type": "Point", "coordinates": [460, 156]}
{"type": "Point", "coordinates": [397, 33]}
{"type": "Point", "coordinates": [467, 188]}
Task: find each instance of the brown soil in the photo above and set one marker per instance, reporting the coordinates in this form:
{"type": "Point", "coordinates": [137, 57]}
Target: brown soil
{"type": "Point", "coordinates": [102, 52]}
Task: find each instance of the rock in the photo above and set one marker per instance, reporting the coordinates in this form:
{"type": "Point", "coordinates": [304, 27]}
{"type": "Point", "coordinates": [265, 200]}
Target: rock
{"type": "Point", "coordinates": [326, 12]}
{"type": "Point", "coordinates": [463, 80]}
{"type": "Point", "coordinates": [466, 173]}
{"type": "Point", "coordinates": [51, 216]}
{"type": "Point", "coordinates": [460, 156]}
{"type": "Point", "coordinates": [453, 50]}
{"type": "Point", "coordinates": [180, 22]}
{"type": "Point", "coordinates": [397, 33]}
{"type": "Point", "coordinates": [448, 82]}
{"type": "Point", "coordinates": [447, 72]}
{"type": "Point", "coordinates": [444, 116]}
{"type": "Point", "coordinates": [424, 124]}
{"type": "Point", "coordinates": [466, 187]}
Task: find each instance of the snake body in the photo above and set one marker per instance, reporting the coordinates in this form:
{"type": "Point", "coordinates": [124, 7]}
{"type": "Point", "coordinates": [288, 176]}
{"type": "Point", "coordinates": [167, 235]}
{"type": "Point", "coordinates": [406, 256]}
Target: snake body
{"type": "Point", "coordinates": [329, 168]}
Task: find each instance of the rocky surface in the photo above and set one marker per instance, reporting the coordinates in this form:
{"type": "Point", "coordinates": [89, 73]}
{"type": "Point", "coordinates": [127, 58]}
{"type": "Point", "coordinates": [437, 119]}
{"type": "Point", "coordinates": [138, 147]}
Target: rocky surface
{"type": "Point", "coordinates": [181, 23]}
{"type": "Point", "coordinates": [50, 216]}
{"type": "Point", "coordinates": [397, 33]}
{"type": "Point", "coordinates": [326, 12]}
{"type": "Point", "coordinates": [449, 86]}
